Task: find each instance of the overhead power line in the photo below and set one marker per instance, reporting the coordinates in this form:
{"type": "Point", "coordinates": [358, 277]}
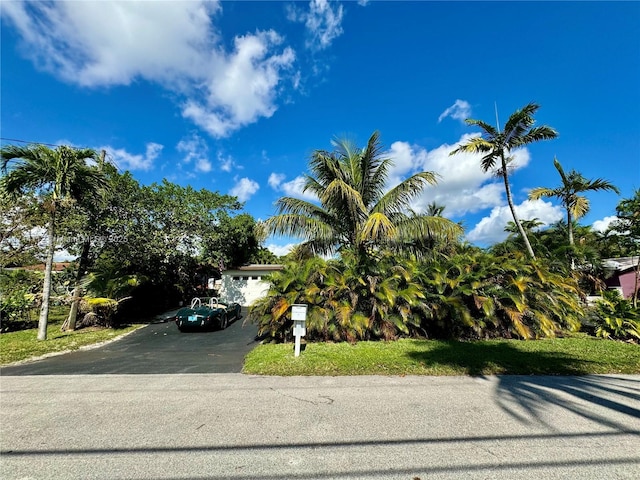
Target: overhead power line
{"type": "Point", "coordinates": [27, 141]}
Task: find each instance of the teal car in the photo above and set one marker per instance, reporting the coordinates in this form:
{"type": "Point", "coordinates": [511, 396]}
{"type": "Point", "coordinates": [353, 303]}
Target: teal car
{"type": "Point", "coordinates": [207, 313]}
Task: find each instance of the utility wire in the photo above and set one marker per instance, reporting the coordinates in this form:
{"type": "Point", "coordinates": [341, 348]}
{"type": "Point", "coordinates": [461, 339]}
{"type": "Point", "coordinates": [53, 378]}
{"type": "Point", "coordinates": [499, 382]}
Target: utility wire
{"type": "Point", "coordinates": [27, 141]}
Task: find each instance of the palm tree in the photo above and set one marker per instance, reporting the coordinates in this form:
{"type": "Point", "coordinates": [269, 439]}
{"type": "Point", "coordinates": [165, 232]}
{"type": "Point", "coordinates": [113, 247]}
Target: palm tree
{"type": "Point", "coordinates": [60, 176]}
{"type": "Point", "coordinates": [496, 145]}
{"type": "Point", "coordinates": [355, 212]}
{"type": "Point", "coordinates": [573, 184]}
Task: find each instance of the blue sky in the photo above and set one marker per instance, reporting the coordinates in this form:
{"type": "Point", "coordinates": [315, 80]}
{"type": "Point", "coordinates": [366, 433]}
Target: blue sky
{"type": "Point", "coordinates": [234, 96]}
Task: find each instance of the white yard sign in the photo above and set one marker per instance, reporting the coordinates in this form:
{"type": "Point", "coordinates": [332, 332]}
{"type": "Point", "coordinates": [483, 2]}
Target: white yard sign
{"type": "Point", "coordinates": [299, 317]}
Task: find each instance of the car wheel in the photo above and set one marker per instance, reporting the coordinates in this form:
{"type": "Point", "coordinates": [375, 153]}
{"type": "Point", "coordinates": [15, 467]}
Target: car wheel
{"type": "Point", "coordinates": [223, 322]}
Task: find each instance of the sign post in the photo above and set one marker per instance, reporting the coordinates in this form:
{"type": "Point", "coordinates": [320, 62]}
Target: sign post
{"type": "Point", "coordinates": [299, 317]}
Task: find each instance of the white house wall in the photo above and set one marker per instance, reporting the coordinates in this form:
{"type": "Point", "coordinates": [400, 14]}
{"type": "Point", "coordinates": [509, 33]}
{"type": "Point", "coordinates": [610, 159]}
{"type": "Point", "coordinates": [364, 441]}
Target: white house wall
{"type": "Point", "coordinates": [243, 287]}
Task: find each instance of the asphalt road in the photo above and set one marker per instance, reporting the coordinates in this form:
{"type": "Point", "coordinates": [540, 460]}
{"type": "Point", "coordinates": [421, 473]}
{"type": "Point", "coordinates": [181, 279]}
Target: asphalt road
{"type": "Point", "coordinates": [158, 348]}
{"type": "Point", "coordinates": [152, 406]}
{"type": "Point", "coordinates": [234, 426]}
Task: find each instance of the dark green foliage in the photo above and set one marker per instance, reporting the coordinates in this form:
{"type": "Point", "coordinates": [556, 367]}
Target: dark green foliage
{"type": "Point", "coordinates": [18, 296]}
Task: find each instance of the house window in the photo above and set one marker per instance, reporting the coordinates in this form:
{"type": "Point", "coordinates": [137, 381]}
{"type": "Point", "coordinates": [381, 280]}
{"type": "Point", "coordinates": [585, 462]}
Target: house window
{"type": "Point", "coordinates": [236, 278]}
{"type": "Point", "coordinates": [255, 278]}
{"type": "Point", "coordinates": [245, 278]}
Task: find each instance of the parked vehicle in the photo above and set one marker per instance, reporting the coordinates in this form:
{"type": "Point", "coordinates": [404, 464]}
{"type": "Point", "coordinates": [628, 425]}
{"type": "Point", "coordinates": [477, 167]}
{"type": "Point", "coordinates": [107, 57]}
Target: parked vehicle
{"type": "Point", "coordinates": [207, 313]}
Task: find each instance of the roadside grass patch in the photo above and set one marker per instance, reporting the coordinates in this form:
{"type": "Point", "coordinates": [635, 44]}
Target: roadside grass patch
{"type": "Point", "coordinates": [21, 345]}
{"type": "Point", "coordinates": [579, 355]}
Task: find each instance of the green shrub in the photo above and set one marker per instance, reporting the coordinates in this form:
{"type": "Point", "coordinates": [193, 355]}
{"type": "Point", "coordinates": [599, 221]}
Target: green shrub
{"type": "Point", "coordinates": [614, 317]}
{"type": "Point", "coordinates": [479, 295]}
{"type": "Point", "coordinates": [18, 297]}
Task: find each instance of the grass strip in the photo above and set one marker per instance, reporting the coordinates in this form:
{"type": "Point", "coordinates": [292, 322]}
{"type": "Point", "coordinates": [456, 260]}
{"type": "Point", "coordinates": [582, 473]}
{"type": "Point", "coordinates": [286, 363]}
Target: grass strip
{"type": "Point", "coordinates": [559, 356]}
{"type": "Point", "coordinates": [21, 345]}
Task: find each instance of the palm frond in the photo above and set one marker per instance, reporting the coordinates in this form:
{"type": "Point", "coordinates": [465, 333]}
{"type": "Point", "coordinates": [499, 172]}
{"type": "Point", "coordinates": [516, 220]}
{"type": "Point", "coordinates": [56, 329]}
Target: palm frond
{"type": "Point", "coordinates": [397, 199]}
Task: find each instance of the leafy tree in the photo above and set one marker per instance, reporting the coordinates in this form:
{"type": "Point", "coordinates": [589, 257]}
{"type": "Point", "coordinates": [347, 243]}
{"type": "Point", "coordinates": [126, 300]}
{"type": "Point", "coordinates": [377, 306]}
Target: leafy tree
{"type": "Point", "coordinates": [627, 226]}
{"type": "Point", "coordinates": [236, 241]}
{"type": "Point", "coordinates": [61, 177]}
{"type": "Point", "coordinates": [569, 193]}
{"type": "Point", "coordinates": [496, 147]}
{"type": "Point", "coordinates": [82, 227]}
{"type": "Point", "coordinates": [355, 212]}
{"type": "Point", "coordinates": [21, 230]}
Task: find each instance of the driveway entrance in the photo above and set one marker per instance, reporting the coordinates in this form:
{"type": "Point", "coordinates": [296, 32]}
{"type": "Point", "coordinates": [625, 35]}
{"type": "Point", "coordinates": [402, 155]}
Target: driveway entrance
{"type": "Point", "coordinates": [158, 348]}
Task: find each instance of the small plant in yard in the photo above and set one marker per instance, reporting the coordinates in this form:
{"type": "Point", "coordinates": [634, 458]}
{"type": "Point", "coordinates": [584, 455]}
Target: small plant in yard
{"type": "Point", "coordinates": [614, 317]}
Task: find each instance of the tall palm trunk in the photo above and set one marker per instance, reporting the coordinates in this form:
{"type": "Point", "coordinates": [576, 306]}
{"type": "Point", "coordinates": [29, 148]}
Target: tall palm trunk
{"type": "Point", "coordinates": [570, 228]}
{"type": "Point", "coordinates": [46, 290]}
{"type": "Point", "coordinates": [512, 207]}
{"type": "Point", "coordinates": [571, 240]}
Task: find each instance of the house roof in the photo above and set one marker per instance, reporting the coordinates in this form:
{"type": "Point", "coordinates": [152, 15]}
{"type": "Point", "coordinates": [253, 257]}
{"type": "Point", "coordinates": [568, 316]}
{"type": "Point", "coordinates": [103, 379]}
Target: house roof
{"type": "Point", "coordinates": [254, 267]}
{"type": "Point", "coordinates": [621, 264]}
{"type": "Point", "coordinates": [40, 267]}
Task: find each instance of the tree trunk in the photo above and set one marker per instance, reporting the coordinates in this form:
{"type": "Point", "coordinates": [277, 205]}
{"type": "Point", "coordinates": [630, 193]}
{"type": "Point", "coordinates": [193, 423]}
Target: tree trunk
{"type": "Point", "coordinates": [46, 290]}
{"type": "Point", "coordinates": [570, 228]}
{"type": "Point", "coordinates": [571, 240]}
{"type": "Point", "coordinates": [507, 189]}
{"type": "Point", "coordinates": [82, 266]}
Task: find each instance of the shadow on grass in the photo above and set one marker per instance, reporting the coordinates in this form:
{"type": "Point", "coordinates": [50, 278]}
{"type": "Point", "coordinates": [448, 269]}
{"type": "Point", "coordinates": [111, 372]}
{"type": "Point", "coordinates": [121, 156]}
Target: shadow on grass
{"type": "Point", "coordinates": [500, 358]}
{"type": "Point", "coordinates": [531, 384]}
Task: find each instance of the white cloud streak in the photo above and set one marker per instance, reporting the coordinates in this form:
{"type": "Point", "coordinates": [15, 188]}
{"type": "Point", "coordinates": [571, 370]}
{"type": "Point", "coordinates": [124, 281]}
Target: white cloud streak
{"type": "Point", "coordinates": [460, 110]}
{"type": "Point", "coordinates": [323, 22]}
{"type": "Point", "coordinates": [129, 161]}
{"type": "Point", "coordinates": [293, 188]}
{"type": "Point", "coordinates": [195, 152]}
{"type": "Point", "coordinates": [281, 250]}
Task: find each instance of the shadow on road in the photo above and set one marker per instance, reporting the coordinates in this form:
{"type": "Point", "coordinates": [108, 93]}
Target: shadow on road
{"type": "Point", "coordinates": [526, 397]}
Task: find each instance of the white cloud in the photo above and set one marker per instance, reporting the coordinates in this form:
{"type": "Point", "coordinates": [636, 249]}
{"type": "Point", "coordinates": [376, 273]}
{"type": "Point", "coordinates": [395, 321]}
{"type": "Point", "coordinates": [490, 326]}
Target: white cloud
{"type": "Point", "coordinates": [292, 188]}
{"type": "Point", "coordinates": [462, 185]}
{"type": "Point", "coordinates": [173, 44]}
{"type": "Point", "coordinates": [276, 179]}
{"type": "Point", "coordinates": [129, 161]}
{"type": "Point", "coordinates": [227, 163]}
{"type": "Point", "coordinates": [460, 110]}
{"type": "Point", "coordinates": [196, 152]}
{"type": "Point", "coordinates": [491, 229]}
{"type": "Point", "coordinates": [152, 40]}
{"type": "Point", "coordinates": [323, 22]}
{"type": "Point", "coordinates": [241, 87]}
{"type": "Point", "coordinates": [244, 189]}
{"type": "Point", "coordinates": [602, 225]}
{"type": "Point", "coordinates": [281, 250]}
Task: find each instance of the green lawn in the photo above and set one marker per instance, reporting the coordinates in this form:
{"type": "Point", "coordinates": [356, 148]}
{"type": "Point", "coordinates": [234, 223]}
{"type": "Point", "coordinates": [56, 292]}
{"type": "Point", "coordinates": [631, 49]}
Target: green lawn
{"type": "Point", "coordinates": [16, 346]}
{"type": "Point", "coordinates": [561, 356]}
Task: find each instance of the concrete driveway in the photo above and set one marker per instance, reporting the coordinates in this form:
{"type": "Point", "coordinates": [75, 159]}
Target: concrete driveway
{"type": "Point", "coordinates": [155, 349]}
